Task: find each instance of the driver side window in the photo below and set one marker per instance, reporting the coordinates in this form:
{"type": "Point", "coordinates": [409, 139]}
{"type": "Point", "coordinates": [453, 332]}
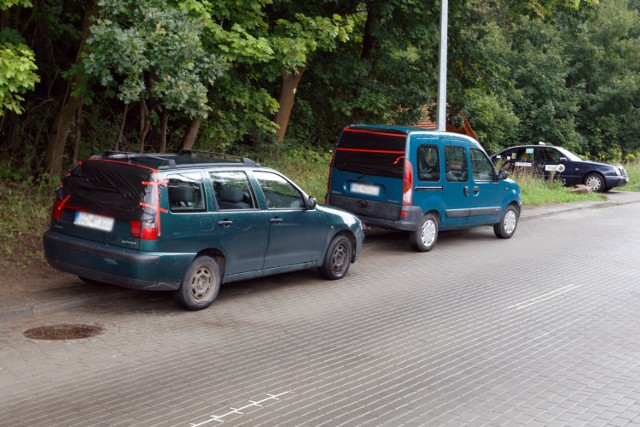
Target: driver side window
{"type": "Point", "coordinates": [481, 166]}
{"type": "Point", "coordinates": [278, 192]}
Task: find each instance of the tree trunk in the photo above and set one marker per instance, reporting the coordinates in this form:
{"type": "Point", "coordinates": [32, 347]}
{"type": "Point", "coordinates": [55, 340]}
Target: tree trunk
{"type": "Point", "coordinates": [290, 82]}
{"type": "Point", "coordinates": [163, 130]}
{"type": "Point", "coordinates": [145, 122]}
{"type": "Point", "coordinates": [189, 138]}
{"type": "Point", "coordinates": [54, 156]}
{"type": "Point", "coordinates": [120, 137]}
{"type": "Point", "coordinates": [369, 41]}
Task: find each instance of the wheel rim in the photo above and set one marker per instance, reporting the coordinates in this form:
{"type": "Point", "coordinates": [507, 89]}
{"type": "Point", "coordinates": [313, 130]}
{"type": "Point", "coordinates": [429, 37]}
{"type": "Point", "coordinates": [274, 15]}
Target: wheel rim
{"type": "Point", "coordinates": [428, 234]}
{"type": "Point", "coordinates": [202, 284]}
{"type": "Point", "coordinates": [339, 258]}
{"type": "Point", "coordinates": [510, 221]}
{"type": "Point", "coordinates": [594, 183]}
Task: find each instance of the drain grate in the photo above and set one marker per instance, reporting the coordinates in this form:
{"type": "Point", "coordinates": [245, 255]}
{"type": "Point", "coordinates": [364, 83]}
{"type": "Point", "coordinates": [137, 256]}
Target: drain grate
{"type": "Point", "coordinates": [63, 332]}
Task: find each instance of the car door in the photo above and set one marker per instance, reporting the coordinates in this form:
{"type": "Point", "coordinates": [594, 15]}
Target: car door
{"type": "Point", "coordinates": [485, 190]}
{"type": "Point", "coordinates": [297, 235]}
{"type": "Point", "coordinates": [455, 186]}
{"type": "Point", "coordinates": [240, 226]}
{"type": "Point", "coordinates": [558, 165]}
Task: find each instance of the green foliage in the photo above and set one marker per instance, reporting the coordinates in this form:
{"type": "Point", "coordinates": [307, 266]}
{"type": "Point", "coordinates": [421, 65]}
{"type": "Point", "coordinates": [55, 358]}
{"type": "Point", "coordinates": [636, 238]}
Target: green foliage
{"type": "Point", "coordinates": [153, 51]}
{"type": "Point", "coordinates": [17, 71]}
{"type": "Point", "coordinates": [6, 4]}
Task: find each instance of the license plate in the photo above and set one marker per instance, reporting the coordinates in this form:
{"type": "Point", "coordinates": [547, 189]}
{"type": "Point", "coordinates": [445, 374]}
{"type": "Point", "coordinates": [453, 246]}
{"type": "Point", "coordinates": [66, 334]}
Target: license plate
{"type": "Point", "coordinates": [368, 189]}
{"type": "Point", "coordinates": [97, 222]}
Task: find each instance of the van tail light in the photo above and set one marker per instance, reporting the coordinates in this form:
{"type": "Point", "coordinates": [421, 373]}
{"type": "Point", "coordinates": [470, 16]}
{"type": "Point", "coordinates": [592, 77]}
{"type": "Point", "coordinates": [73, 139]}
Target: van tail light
{"type": "Point", "coordinates": [143, 231]}
{"type": "Point", "coordinates": [58, 208]}
{"type": "Point", "coordinates": [407, 184]}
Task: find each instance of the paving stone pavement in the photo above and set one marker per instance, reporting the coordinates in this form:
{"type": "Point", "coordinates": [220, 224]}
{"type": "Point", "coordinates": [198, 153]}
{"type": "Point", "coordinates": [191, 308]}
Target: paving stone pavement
{"type": "Point", "coordinates": [537, 330]}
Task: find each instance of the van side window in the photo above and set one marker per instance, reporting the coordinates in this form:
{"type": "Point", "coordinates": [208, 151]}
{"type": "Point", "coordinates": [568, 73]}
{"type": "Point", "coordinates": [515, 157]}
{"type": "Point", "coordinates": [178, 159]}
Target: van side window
{"type": "Point", "coordinates": [185, 192]}
{"type": "Point", "coordinates": [428, 163]}
{"type": "Point", "coordinates": [455, 159]}
{"type": "Point", "coordinates": [481, 166]}
{"type": "Point", "coordinates": [279, 192]}
{"type": "Point", "coordinates": [232, 190]}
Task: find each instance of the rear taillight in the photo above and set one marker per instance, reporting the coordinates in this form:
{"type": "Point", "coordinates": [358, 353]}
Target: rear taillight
{"type": "Point", "coordinates": [58, 208]}
{"type": "Point", "coordinates": [143, 231]}
{"type": "Point", "coordinates": [407, 184]}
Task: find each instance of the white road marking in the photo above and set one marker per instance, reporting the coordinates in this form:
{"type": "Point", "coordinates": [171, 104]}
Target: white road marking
{"type": "Point", "coordinates": [233, 411]}
{"type": "Point", "coordinates": [544, 297]}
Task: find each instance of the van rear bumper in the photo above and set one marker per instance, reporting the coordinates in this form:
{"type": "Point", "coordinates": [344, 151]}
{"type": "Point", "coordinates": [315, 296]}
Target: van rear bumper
{"type": "Point", "coordinates": [380, 214]}
{"type": "Point", "coordinates": [410, 218]}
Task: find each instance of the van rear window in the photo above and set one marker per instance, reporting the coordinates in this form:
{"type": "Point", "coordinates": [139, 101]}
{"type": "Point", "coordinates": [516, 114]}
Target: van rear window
{"type": "Point", "coordinates": [371, 152]}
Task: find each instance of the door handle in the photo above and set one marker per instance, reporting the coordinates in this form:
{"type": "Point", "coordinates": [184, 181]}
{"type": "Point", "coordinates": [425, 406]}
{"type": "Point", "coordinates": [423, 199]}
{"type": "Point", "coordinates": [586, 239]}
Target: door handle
{"type": "Point", "coordinates": [225, 222]}
{"type": "Point", "coordinates": [466, 190]}
{"type": "Point", "coordinates": [276, 220]}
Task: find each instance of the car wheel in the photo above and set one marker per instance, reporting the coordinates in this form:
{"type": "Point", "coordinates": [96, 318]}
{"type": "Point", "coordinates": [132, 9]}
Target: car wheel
{"type": "Point", "coordinates": [595, 182]}
{"type": "Point", "coordinates": [338, 258]}
{"type": "Point", "coordinates": [508, 223]}
{"type": "Point", "coordinates": [200, 285]}
{"type": "Point", "coordinates": [425, 237]}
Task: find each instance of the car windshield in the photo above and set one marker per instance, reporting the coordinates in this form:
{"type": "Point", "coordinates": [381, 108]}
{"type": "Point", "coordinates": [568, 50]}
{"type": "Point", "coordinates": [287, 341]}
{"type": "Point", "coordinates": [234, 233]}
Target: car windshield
{"type": "Point", "coordinates": [569, 155]}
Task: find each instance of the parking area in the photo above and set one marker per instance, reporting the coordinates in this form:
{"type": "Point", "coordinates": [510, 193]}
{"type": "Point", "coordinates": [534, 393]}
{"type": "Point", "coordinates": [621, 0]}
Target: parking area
{"type": "Point", "coordinates": [540, 329]}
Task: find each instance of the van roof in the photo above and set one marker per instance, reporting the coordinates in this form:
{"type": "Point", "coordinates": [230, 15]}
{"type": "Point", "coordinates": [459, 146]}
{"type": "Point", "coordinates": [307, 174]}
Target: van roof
{"type": "Point", "coordinates": [405, 130]}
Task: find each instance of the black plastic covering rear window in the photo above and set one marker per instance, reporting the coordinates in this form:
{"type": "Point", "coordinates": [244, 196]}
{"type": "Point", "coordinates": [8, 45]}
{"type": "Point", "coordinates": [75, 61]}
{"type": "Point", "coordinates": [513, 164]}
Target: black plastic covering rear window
{"type": "Point", "coordinates": [111, 187]}
{"type": "Point", "coordinates": [371, 152]}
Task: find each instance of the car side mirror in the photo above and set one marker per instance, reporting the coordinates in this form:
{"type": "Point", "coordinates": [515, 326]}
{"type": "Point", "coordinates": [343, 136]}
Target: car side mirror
{"type": "Point", "coordinates": [311, 203]}
{"type": "Point", "coordinates": [563, 159]}
{"type": "Point", "coordinates": [503, 174]}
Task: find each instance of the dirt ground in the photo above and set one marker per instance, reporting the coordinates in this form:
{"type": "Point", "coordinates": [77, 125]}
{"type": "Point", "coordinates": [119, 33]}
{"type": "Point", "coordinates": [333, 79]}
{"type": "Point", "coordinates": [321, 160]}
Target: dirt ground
{"type": "Point", "coordinates": [25, 270]}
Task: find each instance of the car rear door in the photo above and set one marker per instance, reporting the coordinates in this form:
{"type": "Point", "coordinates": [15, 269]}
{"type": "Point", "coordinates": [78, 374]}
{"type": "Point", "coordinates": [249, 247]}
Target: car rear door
{"type": "Point", "coordinates": [241, 227]}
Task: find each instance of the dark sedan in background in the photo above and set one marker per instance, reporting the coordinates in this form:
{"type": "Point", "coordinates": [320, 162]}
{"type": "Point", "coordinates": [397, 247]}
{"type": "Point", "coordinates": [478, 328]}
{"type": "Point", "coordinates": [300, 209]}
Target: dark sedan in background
{"type": "Point", "coordinates": [551, 161]}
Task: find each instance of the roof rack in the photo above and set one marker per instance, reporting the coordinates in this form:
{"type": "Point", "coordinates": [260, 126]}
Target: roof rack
{"type": "Point", "coordinates": [131, 156]}
{"type": "Point", "coordinates": [194, 153]}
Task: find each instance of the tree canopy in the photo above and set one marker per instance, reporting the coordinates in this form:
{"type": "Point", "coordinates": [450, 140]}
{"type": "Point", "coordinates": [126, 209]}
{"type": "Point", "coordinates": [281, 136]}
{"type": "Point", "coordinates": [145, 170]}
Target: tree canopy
{"type": "Point", "coordinates": [78, 77]}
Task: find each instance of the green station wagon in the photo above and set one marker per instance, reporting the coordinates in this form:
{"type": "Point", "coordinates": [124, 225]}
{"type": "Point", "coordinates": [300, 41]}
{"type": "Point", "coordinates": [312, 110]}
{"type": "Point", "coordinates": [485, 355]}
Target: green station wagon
{"type": "Point", "coordinates": [190, 221]}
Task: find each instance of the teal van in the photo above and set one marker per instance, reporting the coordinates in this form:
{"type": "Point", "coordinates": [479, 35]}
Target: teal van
{"type": "Point", "coordinates": [420, 181]}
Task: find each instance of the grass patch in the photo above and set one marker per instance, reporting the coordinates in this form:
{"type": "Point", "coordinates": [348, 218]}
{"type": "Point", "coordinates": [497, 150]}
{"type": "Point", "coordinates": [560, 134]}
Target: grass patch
{"type": "Point", "coordinates": [24, 216]}
{"type": "Point", "coordinates": [537, 191]}
{"type": "Point", "coordinates": [633, 170]}
{"type": "Point", "coordinates": [307, 168]}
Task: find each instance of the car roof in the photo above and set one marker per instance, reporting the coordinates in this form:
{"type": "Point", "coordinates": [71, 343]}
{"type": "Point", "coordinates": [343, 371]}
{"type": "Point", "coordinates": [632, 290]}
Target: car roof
{"type": "Point", "coordinates": [184, 158]}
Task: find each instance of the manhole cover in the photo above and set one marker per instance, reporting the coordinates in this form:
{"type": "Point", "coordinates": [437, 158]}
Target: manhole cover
{"type": "Point", "coordinates": [63, 332]}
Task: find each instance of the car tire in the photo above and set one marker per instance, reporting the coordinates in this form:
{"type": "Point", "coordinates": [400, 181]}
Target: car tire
{"type": "Point", "coordinates": [426, 235]}
{"type": "Point", "coordinates": [337, 259]}
{"type": "Point", "coordinates": [200, 285]}
{"type": "Point", "coordinates": [595, 182]}
{"type": "Point", "coordinates": [508, 223]}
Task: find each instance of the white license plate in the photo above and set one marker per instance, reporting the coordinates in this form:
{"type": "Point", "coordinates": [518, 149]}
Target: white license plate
{"type": "Point", "coordinates": [368, 189]}
{"type": "Point", "coordinates": [97, 222]}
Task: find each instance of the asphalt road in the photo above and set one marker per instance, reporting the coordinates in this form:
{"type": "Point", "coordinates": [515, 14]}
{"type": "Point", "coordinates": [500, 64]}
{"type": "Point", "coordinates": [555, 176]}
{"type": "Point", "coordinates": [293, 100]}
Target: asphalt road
{"type": "Point", "coordinates": [541, 329]}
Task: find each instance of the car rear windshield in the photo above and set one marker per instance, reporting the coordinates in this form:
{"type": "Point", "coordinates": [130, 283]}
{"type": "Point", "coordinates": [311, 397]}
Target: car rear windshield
{"type": "Point", "coordinates": [371, 152]}
{"type": "Point", "coordinates": [116, 188]}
